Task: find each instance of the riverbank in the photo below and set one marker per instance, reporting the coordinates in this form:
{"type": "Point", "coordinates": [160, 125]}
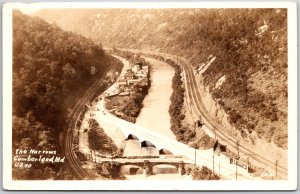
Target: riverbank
{"type": "Point", "coordinates": [125, 99]}
{"type": "Point", "coordinates": [155, 115]}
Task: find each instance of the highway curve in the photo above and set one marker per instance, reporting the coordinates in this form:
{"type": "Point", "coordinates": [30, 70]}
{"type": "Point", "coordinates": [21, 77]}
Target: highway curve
{"type": "Point", "coordinates": [211, 123]}
{"type": "Point", "coordinates": [198, 106]}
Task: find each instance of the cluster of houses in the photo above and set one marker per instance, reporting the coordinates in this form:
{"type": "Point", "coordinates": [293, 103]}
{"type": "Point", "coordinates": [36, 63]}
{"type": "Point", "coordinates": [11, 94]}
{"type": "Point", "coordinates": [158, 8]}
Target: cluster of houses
{"type": "Point", "coordinates": [137, 73]}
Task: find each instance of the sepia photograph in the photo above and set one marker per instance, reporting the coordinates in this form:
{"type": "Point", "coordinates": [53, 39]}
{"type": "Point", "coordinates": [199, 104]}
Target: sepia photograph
{"type": "Point", "coordinates": [149, 96]}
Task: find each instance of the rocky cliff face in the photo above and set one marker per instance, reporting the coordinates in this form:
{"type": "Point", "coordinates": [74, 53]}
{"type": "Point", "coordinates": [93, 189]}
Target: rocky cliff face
{"type": "Point", "coordinates": [253, 140]}
{"type": "Point", "coordinates": [240, 53]}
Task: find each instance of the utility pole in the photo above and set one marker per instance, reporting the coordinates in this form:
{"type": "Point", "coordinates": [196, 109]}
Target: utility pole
{"type": "Point", "coordinates": [219, 168]}
{"type": "Point", "coordinates": [237, 147]}
{"type": "Point", "coordinates": [276, 163]}
{"type": "Point", "coordinates": [94, 145]}
{"type": "Point", "coordinates": [90, 156]}
{"type": "Point", "coordinates": [194, 131]}
{"type": "Point", "coordinates": [215, 133]}
{"type": "Point", "coordinates": [213, 163]}
{"type": "Point", "coordinates": [248, 165]}
{"type": "Point", "coordinates": [236, 173]}
{"type": "Point", "coordinates": [236, 170]}
{"type": "Point", "coordinates": [195, 159]}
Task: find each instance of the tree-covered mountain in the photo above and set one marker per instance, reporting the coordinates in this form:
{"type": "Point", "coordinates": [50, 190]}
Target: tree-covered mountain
{"type": "Point", "coordinates": [248, 75]}
{"type": "Point", "coordinates": [51, 70]}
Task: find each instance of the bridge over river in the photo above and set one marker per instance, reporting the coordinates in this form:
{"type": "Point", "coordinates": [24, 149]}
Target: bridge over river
{"type": "Point", "coordinates": [152, 140]}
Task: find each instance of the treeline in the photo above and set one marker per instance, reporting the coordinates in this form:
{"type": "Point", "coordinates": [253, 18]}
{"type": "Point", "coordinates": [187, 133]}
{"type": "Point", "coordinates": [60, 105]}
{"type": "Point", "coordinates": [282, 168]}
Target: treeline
{"type": "Point", "coordinates": [250, 46]}
{"type": "Point", "coordinates": [183, 134]}
{"type": "Point", "coordinates": [51, 69]}
{"type": "Point", "coordinates": [134, 105]}
{"type": "Point", "coordinates": [252, 54]}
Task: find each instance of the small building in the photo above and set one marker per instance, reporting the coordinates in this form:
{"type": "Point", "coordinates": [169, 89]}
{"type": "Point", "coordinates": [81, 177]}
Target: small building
{"type": "Point", "coordinates": [140, 74]}
{"type": "Point", "coordinates": [126, 93]}
{"type": "Point", "coordinates": [129, 75]}
{"type": "Point", "coordinates": [236, 160]}
{"type": "Point", "coordinates": [136, 68]}
{"type": "Point", "coordinates": [228, 156]}
{"type": "Point", "coordinates": [145, 67]}
{"type": "Point", "coordinates": [243, 164]}
{"type": "Point", "coordinates": [133, 81]}
{"type": "Point", "coordinates": [138, 62]}
{"type": "Point", "coordinates": [122, 83]}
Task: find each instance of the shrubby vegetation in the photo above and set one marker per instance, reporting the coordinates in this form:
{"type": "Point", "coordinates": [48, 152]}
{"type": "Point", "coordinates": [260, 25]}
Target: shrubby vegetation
{"type": "Point", "coordinates": [135, 103]}
{"type": "Point", "coordinates": [99, 141]}
{"type": "Point", "coordinates": [131, 106]}
{"type": "Point", "coordinates": [246, 47]}
{"type": "Point", "coordinates": [51, 69]}
{"type": "Point", "coordinates": [204, 173]}
{"type": "Point", "coordinates": [110, 170]}
{"type": "Point", "coordinates": [250, 46]}
{"type": "Point", "coordinates": [204, 142]}
{"type": "Point", "coordinates": [182, 133]}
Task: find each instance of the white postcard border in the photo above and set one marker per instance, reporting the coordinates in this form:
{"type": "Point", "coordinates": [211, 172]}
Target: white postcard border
{"type": "Point", "coordinates": [289, 184]}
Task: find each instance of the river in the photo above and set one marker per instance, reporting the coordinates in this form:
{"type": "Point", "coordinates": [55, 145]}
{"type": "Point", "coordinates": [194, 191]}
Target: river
{"type": "Point", "coordinates": [155, 113]}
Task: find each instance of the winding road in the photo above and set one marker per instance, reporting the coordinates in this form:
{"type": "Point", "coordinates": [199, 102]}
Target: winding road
{"type": "Point", "coordinates": [176, 147]}
{"type": "Point", "coordinates": [200, 157]}
{"type": "Point", "coordinates": [258, 159]}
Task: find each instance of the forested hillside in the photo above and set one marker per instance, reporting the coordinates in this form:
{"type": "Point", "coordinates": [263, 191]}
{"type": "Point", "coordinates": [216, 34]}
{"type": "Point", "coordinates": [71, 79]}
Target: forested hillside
{"type": "Point", "coordinates": [248, 73]}
{"type": "Point", "coordinates": [51, 69]}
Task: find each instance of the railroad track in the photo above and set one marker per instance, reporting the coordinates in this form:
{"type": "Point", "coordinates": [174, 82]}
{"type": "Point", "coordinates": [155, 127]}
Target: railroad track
{"type": "Point", "coordinates": [97, 87]}
{"type": "Point", "coordinates": [72, 160]}
{"type": "Point", "coordinates": [223, 137]}
{"type": "Point", "coordinates": [211, 122]}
